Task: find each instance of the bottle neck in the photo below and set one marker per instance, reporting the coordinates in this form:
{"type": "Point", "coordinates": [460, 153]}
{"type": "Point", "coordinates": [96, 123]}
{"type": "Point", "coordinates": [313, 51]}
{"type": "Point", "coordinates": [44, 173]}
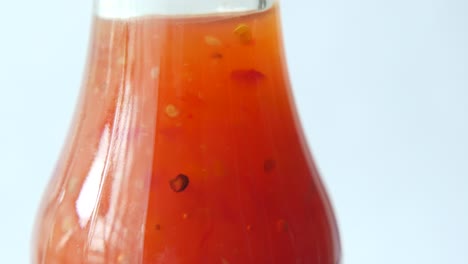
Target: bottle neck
{"type": "Point", "coordinates": [181, 67]}
{"type": "Point", "coordinates": [138, 8]}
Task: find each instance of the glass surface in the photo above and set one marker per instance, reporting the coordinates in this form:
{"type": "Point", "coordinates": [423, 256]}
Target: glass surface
{"type": "Point", "coordinates": [138, 8]}
{"type": "Point", "coordinates": [186, 148]}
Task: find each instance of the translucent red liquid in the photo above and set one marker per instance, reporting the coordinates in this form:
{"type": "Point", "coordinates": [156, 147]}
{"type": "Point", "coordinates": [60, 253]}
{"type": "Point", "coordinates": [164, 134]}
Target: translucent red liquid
{"type": "Point", "coordinates": [186, 149]}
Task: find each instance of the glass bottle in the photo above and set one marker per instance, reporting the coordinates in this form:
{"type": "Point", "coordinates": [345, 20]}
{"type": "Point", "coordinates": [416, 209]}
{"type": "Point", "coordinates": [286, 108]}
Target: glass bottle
{"type": "Point", "coordinates": [186, 146]}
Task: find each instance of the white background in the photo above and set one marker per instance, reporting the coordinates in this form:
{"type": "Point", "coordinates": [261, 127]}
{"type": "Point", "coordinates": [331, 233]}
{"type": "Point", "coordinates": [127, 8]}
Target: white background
{"type": "Point", "coordinates": [381, 86]}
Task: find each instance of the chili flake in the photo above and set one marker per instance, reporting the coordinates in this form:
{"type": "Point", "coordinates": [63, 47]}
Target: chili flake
{"type": "Point", "coordinates": [212, 41]}
{"type": "Point", "coordinates": [217, 55]}
{"type": "Point", "coordinates": [249, 75]}
{"type": "Point", "coordinates": [123, 259]}
{"type": "Point", "coordinates": [67, 224]}
{"type": "Point", "coordinates": [172, 111]}
{"type": "Point", "coordinates": [244, 33]}
{"type": "Point", "coordinates": [179, 183]}
{"type": "Point", "coordinates": [122, 60]}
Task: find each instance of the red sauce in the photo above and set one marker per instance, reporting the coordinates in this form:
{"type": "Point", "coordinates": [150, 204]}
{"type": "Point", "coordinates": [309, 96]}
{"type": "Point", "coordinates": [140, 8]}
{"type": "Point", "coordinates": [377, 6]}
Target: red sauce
{"type": "Point", "coordinates": [186, 148]}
